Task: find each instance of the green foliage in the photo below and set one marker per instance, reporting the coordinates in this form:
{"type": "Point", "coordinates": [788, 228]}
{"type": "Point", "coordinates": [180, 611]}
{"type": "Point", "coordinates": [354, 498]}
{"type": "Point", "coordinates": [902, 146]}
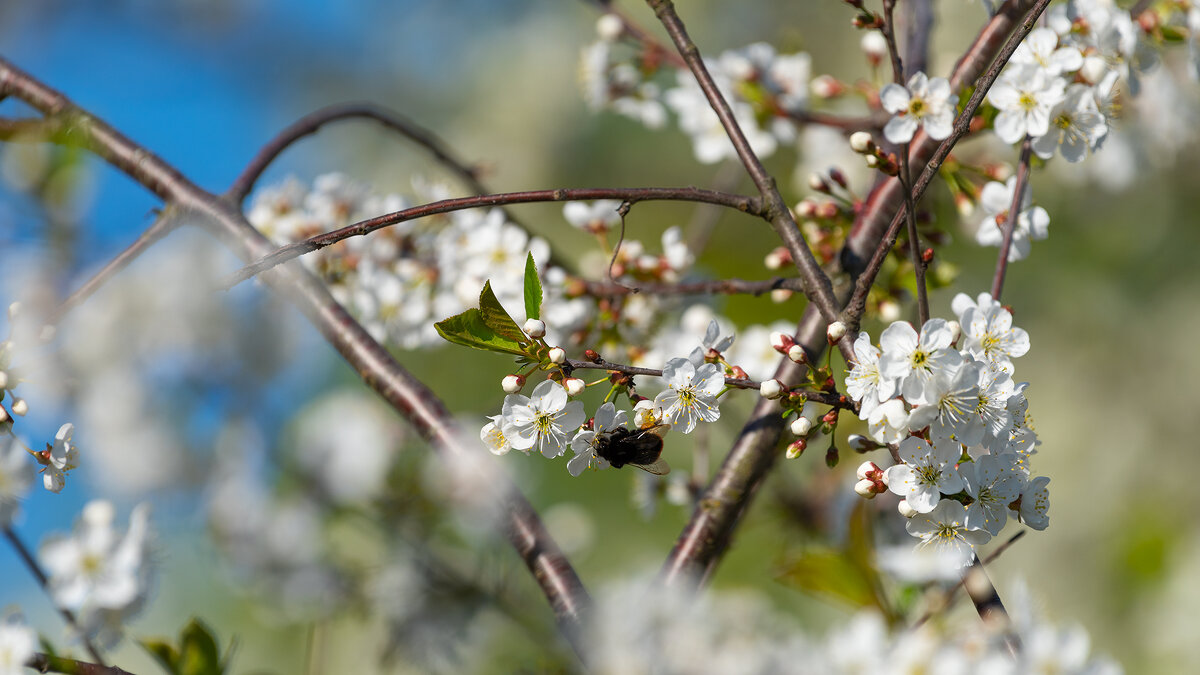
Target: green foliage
{"type": "Point", "coordinates": [533, 290]}
{"type": "Point", "coordinates": [197, 653]}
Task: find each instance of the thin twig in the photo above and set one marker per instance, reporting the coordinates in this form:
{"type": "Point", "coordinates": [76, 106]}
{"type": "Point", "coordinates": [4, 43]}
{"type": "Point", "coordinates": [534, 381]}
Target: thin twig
{"type": "Point", "coordinates": [818, 287]}
{"type": "Point", "coordinates": [313, 122]}
{"type": "Point", "coordinates": [34, 568]}
{"type": "Point", "coordinates": [889, 35]}
{"type": "Point", "coordinates": [45, 663]}
{"type": "Point", "coordinates": [1014, 215]}
{"type": "Point", "coordinates": [950, 595]}
{"type": "Point", "coordinates": [602, 289]}
{"type": "Point", "coordinates": [630, 195]}
{"type": "Point", "coordinates": [824, 397]}
{"type": "Point", "coordinates": [414, 401]}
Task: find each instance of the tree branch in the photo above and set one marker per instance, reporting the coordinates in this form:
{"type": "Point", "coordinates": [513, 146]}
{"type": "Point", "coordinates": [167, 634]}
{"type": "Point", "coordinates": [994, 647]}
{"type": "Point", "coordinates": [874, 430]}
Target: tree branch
{"type": "Point", "coordinates": [36, 569]}
{"type": "Point", "coordinates": [1014, 215]}
{"type": "Point", "coordinates": [630, 195]}
{"type": "Point", "coordinates": [378, 369]}
{"type": "Point", "coordinates": [313, 122]}
{"type": "Point", "coordinates": [603, 289]}
{"type": "Point", "coordinates": [45, 663]}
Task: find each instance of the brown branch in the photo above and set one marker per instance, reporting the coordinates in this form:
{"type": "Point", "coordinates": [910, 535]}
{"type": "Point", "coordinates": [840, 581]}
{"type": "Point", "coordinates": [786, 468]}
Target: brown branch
{"type": "Point", "coordinates": [313, 122]}
{"type": "Point", "coordinates": [630, 195]}
{"type": "Point", "coordinates": [818, 287]}
{"type": "Point", "coordinates": [1014, 215]}
{"type": "Point", "coordinates": [378, 369]}
{"type": "Point", "coordinates": [832, 399]}
{"type": "Point", "coordinates": [699, 547]}
{"type": "Point", "coordinates": [949, 599]}
{"type": "Point", "coordinates": [603, 289]}
{"type": "Point", "coordinates": [919, 29]}
{"type": "Point", "coordinates": [888, 29]}
{"type": "Point", "coordinates": [36, 569]}
{"type": "Point", "coordinates": [45, 663]}
{"type": "Point", "coordinates": [962, 124]}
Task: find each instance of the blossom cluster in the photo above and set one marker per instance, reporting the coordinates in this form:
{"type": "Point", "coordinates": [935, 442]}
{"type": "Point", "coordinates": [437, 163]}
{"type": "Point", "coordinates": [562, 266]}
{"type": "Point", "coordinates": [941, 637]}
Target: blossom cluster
{"type": "Point", "coordinates": [946, 399]}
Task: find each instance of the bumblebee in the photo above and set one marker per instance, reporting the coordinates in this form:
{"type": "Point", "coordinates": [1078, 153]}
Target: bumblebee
{"type": "Point", "coordinates": [636, 447]}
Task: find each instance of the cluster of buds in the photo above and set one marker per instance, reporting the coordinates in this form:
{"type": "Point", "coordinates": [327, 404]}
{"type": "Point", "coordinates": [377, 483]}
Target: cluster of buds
{"type": "Point", "coordinates": [862, 143]}
{"type": "Point", "coordinates": [870, 481]}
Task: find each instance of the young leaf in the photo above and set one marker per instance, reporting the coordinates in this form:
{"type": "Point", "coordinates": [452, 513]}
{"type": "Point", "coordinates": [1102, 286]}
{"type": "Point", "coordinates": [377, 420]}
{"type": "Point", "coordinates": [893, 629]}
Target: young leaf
{"type": "Point", "coordinates": [496, 318]}
{"type": "Point", "coordinates": [829, 573]}
{"type": "Point", "coordinates": [533, 290]}
{"type": "Point", "coordinates": [469, 330]}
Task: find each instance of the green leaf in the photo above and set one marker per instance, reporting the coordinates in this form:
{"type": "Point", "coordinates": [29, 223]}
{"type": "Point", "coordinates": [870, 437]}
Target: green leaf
{"type": "Point", "coordinates": [533, 290]}
{"type": "Point", "coordinates": [164, 653]}
{"type": "Point", "coordinates": [496, 318]}
{"type": "Point", "coordinates": [198, 652]}
{"type": "Point", "coordinates": [831, 574]}
{"type": "Point", "coordinates": [469, 330]}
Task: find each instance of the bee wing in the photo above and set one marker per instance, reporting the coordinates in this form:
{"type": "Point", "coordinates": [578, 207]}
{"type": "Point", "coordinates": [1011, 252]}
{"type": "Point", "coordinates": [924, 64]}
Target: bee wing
{"type": "Point", "coordinates": [659, 467]}
{"type": "Point", "coordinates": [659, 430]}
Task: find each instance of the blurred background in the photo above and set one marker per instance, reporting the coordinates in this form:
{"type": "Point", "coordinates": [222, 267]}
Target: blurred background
{"type": "Point", "coordinates": [203, 402]}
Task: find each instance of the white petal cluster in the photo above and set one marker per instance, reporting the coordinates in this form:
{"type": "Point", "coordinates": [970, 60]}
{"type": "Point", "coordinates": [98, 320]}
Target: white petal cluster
{"type": "Point", "coordinates": [100, 575]}
{"type": "Point", "coordinates": [542, 421]}
{"type": "Point", "coordinates": [922, 103]}
{"type": "Point", "coordinates": [947, 398]}
{"type": "Point", "coordinates": [1033, 223]}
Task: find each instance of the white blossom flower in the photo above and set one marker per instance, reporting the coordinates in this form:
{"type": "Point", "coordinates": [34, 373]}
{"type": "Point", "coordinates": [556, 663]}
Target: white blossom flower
{"type": "Point", "coordinates": [1025, 95]}
{"type": "Point", "coordinates": [1040, 49]}
{"type": "Point", "coordinates": [95, 573]}
{"type": "Point", "coordinates": [990, 336]}
{"type": "Point", "coordinates": [945, 528]}
{"type": "Point", "coordinates": [18, 643]}
{"type": "Point", "coordinates": [64, 456]}
{"type": "Point", "coordinates": [924, 102]}
{"type": "Point", "coordinates": [599, 216]}
{"type": "Point", "coordinates": [1035, 503]}
{"type": "Point", "coordinates": [584, 444]}
{"type": "Point", "coordinates": [16, 474]}
{"type": "Point", "coordinates": [927, 472]}
{"type": "Point", "coordinates": [994, 482]}
{"type": "Point", "coordinates": [541, 421]}
{"type": "Point", "coordinates": [1076, 126]}
{"type": "Point", "coordinates": [1032, 223]}
{"type": "Point", "coordinates": [864, 382]}
{"type": "Point", "coordinates": [962, 302]}
{"type": "Point", "coordinates": [691, 393]}
{"type": "Point", "coordinates": [950, 410]}
{"type": "Point", "coordinates": [912, 360]}
{"type": "Point", "coordinates": [493, 437]}
{"type": "Point", "coordinates": [888, 422]}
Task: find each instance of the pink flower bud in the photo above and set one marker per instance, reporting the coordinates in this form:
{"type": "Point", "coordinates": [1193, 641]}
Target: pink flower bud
{"type": "Point", "coordinates": [781, 341]}
{"type": "Point", "coordinates": [796, 448]}
{"type": "Point", "coordinates": [866, 470]}
{"type": "Point", "coordinates": [797, 355]}
{"type": "Point", "coordinates": [836, 331]}
{"type": "Point", "coordinates": [865, 488]}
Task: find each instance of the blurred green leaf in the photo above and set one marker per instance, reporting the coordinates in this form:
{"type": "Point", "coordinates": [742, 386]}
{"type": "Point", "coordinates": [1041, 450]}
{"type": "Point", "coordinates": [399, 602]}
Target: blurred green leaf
{"type": "Point", "coordinates": [164, 653]}
{"type": "Point", "coordinates": [829, 573]}
{"type": "Point", "coordinates": [533, 290]}
{"type": "Point", "coordinates": [198, 653]}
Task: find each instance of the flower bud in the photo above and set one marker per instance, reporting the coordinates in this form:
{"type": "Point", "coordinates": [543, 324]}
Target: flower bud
{"type": "Point", "coordinates": [779, 295]}
{"type": "Point", "coordinates": [796, 448]}
{"type": "Point", "coordinates": [739, 373]}
{"type": "Point", "coordinates": [511, 384]}
{"type": "Point", "coordinates": [955, 330]}
{"type": "Point", "coordinates": [827, 210]}
{"type": "Point", "coordinates": [574, 386]}
{"type": "Point", "coordinates": [905, 509]}
{"type": "Point", "coordinates": [861, 142]}
{"type": "Point", "coordinates": [3, 380]}
{"type": "Point", "coordinates": [609, 27]}
{"type": "Point", "coordinates": [20, 407]}
{"type": "Point", "coordinates": [816, 182]}
{"type": "Point", "coordinates": [771, 389]}
{"type": "Point", "coordinates": [836, 331]}
{"type": "Point", "coordinates": [781, 341]}
{"type": "Point", "coordinates": [592, 355]}
{"type": "Point", "coordinates": [872, 161]}
{"type": "Point", "coordinates": [866, 469]}
{"type": "Point", "coordinates": [865, 488]}
{"type": "Point", "coordinates": [535, 328]}
{"type": "Point", "coordinates": [831, 456]}
{"type": "Point", "coordinates": [805, 209]}
{"type": "Point", "coordinates": [797, 355]}
{"type": "Point", "coordinates": [557, 355]}
{"type": "Point", "coordinates": [889, 311]}
{"type": "Point", "coordinates": [874, 45]}
{"type": "Point", "coordinates": [860, 443]}
{"type": "Point", "coordinates": [839, 177]}
{"type": "Point", "coordinates": [825, 86]}
{"type": "Point", "coordinates": [801, 426]}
